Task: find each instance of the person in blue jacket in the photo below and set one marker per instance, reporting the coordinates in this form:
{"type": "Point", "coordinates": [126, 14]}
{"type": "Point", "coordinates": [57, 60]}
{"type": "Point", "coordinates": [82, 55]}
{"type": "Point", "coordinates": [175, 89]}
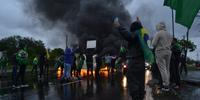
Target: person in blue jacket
{"type": "Point", "coordinates": [68, 61]}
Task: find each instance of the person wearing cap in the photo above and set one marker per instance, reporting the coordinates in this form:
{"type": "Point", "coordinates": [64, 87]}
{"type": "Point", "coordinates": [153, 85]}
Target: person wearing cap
{"type": "Point", "coordinates": [162, 45]}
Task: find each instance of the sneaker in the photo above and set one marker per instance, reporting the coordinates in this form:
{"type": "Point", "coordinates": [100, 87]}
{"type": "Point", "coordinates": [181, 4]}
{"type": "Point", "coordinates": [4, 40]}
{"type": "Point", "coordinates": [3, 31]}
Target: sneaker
{"type": "Point", "coordinates": [165, 89]}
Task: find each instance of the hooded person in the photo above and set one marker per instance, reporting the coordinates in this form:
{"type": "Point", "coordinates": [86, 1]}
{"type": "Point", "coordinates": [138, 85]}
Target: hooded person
{"type": "Point", "coordinates": [68, 61]}
{"type": "Point", "coordinates": [136, 65]}
{"type": "Point", "coordinates": [162, 45]}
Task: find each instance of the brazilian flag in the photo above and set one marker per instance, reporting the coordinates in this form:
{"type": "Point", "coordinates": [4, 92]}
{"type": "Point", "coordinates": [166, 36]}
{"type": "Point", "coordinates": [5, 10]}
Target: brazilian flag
{"type": "Point", "coordinates": [148, 54]}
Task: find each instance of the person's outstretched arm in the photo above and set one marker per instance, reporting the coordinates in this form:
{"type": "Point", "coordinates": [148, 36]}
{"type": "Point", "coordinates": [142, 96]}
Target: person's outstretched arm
{"type": "Point", "coordinates": [123, 31]}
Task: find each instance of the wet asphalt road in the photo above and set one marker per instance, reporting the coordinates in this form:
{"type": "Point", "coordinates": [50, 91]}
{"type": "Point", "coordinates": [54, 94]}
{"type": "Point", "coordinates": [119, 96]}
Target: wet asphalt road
{"type": "Point", "coordinates": [113, 87]}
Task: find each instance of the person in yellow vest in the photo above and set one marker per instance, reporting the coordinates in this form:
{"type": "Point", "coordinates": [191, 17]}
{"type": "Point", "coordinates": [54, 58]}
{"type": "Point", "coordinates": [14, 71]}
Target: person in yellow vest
{"type": "Point", "coordinates": [35, 65]}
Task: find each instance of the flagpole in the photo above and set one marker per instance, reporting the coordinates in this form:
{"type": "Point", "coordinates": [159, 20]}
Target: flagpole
{"type": "Point", "coordinates": [186, 46]}
{"type": "Point", "coordinates": [188, 30]}
{"type": "Point", "coordinates": [173, 23]}
{"type": "Point", "coordinates": [188, 34]}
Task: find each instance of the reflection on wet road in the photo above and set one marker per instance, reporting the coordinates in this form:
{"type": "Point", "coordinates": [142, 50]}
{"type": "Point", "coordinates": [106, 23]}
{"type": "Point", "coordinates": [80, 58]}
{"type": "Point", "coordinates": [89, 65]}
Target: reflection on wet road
{"type": "Point", "coordinates": [112, 87]}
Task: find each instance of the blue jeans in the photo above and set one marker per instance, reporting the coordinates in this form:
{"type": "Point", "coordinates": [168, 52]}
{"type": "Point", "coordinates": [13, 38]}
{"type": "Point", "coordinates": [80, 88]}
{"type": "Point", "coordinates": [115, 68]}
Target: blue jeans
{"type": "Point", "coordinates": [67, 70]}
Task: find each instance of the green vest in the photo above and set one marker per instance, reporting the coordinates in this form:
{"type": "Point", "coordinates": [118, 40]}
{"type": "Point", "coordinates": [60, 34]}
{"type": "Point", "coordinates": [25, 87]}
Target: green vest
{"type": "Point", "coordinates": [22, 57]}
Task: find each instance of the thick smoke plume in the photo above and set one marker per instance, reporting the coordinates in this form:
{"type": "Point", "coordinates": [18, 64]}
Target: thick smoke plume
{"type": "Point", "coordinates": [87, 19]}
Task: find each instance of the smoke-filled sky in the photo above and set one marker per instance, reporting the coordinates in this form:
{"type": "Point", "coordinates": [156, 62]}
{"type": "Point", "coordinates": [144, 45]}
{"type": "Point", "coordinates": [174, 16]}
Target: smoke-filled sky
{"type": "Point", "coordinates": [18, 17]}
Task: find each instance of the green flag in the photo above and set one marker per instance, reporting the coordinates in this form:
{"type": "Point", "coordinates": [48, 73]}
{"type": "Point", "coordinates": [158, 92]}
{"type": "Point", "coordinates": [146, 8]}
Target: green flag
{"type": "Point", "coordinates": [186, 11]}
{"type": "Point", "coordinates": [171, 3]}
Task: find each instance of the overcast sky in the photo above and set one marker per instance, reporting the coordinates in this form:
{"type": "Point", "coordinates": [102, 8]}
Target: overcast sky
{"type": "Point", "coordinates": [14, 21]}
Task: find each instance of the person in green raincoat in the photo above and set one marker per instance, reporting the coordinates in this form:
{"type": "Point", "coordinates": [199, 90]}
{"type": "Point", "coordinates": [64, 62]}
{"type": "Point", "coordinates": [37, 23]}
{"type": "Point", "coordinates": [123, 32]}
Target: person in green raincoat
{"type": "Point", "coordinates": [22, 61]}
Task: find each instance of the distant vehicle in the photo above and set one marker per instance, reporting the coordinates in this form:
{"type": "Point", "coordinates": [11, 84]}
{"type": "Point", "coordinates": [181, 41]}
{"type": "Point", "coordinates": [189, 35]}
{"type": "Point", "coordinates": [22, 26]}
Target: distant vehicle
{"type": "Point", "coordinates": [147, 66]}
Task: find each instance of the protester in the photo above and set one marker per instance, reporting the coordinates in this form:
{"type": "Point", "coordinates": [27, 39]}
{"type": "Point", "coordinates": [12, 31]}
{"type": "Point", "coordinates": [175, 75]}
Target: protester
{"type": "Point", "coordinates": [68, 60]}
{"type": "Point", "coordinates": [74, 65]}
{"type": "Point", "coordinates": [183, 66]}
{"type": "Point", "coordinates": [108, 60]}
{"type": "Point", "coordinates": [3, 64]}
{"type": "Point", "coordinates": [136, 71]}
{"type": "Point", "coordinates": [46, 65]}
{"type": "Point", "coordinates": [22, 61]}
{"type": "Point", "coordinates": [113, 63]}
{"type": "Point", "coordinates": [77, 62]}
{"type": "Point", "coordinates": [81, 60]}
{"type": "Point", "coordinates": [35, 65]}
{"type": "Point", "coordinates": [98, 66]}
{"type": "Point", "coordinates": [175, 61]}
{"type": "Point", "coordinates": [162, 44]}
{"type": "Point", "coordinates": [60, 63]}
{"type": "Point", "coordinates": [41, 64]}
{"type": "Point", "coordinates": [14, 69]}
{"type": "Point", "coordinates": [89, 61]}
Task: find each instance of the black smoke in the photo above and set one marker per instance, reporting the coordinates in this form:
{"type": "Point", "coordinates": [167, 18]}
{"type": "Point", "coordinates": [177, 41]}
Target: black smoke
{"type": "Point", "coordinates": [87, 19]}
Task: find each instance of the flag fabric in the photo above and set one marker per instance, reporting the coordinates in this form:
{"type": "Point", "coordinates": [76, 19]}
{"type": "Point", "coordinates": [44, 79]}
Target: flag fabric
{"type": "Point", "coordinates": [171, 3]}
{"type": "Point", "coordinates": [186, 11]}
{"type": "Point", "coordinates": [148, 54]}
